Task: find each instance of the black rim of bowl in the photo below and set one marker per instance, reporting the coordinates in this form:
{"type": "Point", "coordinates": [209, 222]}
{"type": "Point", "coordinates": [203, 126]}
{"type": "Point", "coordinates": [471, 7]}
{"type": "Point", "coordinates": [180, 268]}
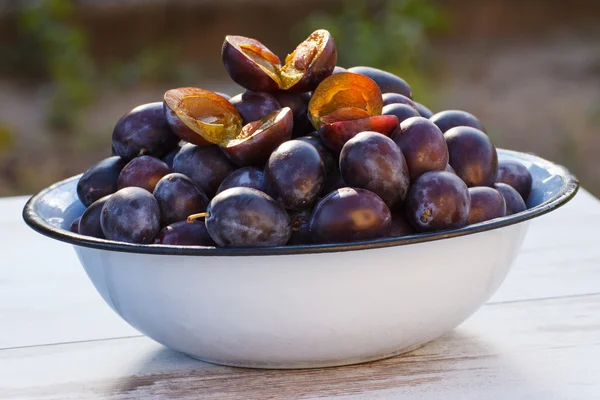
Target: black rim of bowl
{"type": "Point", "coordinates": [566, 193]}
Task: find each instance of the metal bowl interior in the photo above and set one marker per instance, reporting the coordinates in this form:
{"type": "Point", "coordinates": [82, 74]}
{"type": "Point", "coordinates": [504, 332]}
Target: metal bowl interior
{"type": "Point", "coordinates": [52, 210]}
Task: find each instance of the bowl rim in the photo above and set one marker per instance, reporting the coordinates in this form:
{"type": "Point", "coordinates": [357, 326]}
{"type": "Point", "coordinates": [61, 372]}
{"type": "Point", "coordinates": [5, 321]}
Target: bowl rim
{"type": "Point", "coordinates": [567, 192]}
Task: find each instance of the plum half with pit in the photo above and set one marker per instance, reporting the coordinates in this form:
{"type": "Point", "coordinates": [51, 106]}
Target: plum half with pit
{"type": "Point", "coordinates": [144, 130]}
{"type": "Point", "coordinates": [344, 96]}
{"type": "Point", "coordinates": [437, 200]}
{"type": "Point", "coordinates": [295, 175]}
{"type": "Point", "coordinates": [374, 162]}
{"type": "Point", "coordinates": [349, 215]}
{"type": "Point", "coordinates": [257, 140]}
{"type": "Point", "coordinates": [253, 66]}
{"type": "Point", "coordinates": [246, 217]}
{"type": "Point", "coordinates": [201, 117]}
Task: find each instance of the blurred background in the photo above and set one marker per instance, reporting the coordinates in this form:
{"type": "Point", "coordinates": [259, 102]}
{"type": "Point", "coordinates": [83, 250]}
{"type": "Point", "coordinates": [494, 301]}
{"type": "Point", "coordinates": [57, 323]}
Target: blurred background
{"type": "Point", "coordinates": [530, 70]}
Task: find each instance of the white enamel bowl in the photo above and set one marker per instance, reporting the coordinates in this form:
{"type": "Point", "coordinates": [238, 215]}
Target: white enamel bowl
{"type": "Point", "coordinates": [303, 306]}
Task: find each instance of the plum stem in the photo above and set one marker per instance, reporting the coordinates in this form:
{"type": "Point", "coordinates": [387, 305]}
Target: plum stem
{"type": "Point", "coordinates": [194, 217]}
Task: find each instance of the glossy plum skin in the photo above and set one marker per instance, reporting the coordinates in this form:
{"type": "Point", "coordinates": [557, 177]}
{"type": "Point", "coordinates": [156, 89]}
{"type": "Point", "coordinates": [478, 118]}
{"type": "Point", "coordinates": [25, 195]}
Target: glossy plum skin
{"type": "Point", "coordinates": [206, 166]}
{"type": "Point", "coordinates": [89, 222]}
{"type": "Point", "coordinates": [258, 139]}
{"type": "Point", "coordinates": [246, 217]}
{"type": "Point", "coordinates": [326, 155]}
{"type": "Point", "coordinates": [400, 225]}
{"type": "Point", "coordinates": [387, 82]}
{"type": "Point", "coordinates": [100, 180]}
{"type": "Point", "coordinates": [253, 106]}
{"type": "Point", "coordinates": [338, 70]}
{"type": "Point", "coordinates": [514, 201]}
{"type": "Point", "coordinates": [486, 204]}
{"type": "Point", "coordinates": [74, 227]}
{"type": "Point", "coordinates": [144, 172]}
{"type": "Point", "coordinates": [397, 98]}
{"type": "Point", "coordinates": [185, 233]}
{"type": "Point", "coordinates": [298, 103]}
{"type": "Point", "coordinates": [144, 130]}
{"type": "Point", "coordinates": [178, 198]}
{"type": "Point", "coordinates": [131, 215]}
{"type": "Point", "coordinates": [374, 162]}
{"type": "Point", "coordinates": [244, 177]}
{"type": "Point", "coordinates": [437, 200]}
{"type": "Point", "coordinates": [295, 174]}
{"type": "Point", "coordinates": [448, 119]}
{"type": "Point", "coordinates": [515, 174]}
{"type": "Point", "coordinates": [349, 215]}
{"type": "Point", "coordinates": [424, 111]}
{"type": "Point", "coordinates": [300, 227]}
{"type": "Point", "coordinates": [401, 111]}
{"type": "Point", "coordinates": [472, 155]}
{"type": "Point", "coordinates": [423, 146]}
{"type": "Point", "coordinates": [243, 57]}
{"type": "Point", "coordinates": [335, 135]}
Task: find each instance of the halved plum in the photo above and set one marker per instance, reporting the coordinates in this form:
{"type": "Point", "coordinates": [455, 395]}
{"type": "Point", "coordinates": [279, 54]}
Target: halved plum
{"type": "Point", "coordinates": [253, 66]}
{"type": "Point", "coordinates": [336, 134]}
{"type": "Point", "coordinates": [250, 63]}
{"type": "Point", "coordinates": [258, 139]}
{"type": "Point", "coordinates": [313, 60]}
{"type": "Point", "coordinates": [344, 96]}
{"type": "Point", "coordinates": [200, 116]}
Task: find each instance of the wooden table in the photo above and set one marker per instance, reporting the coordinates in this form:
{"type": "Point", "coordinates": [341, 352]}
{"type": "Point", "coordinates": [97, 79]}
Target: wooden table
{"type": "Point", "coordinates": [537, 338]}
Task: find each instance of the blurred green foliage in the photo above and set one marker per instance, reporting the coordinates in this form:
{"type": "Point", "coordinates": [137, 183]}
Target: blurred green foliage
{"type": "Point", "coordinates": [386, 34]}
{"type": "Point", "coordinates": [60, 47]}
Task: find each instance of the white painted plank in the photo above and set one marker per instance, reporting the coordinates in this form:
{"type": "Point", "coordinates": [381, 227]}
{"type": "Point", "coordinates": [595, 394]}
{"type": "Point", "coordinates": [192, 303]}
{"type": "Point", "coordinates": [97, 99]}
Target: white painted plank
{"type": "Point", "coordinates": [47, 297]}
{"type": "Point", "coordinates": [541, 349]}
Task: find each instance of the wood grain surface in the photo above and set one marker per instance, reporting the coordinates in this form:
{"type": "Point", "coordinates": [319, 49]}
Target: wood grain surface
{"type": "Point", "coordinates": [537, 338]}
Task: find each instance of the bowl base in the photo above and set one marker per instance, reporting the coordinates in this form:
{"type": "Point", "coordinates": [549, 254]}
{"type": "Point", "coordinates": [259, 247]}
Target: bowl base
{"type": "Point", "coordinates": [309, 364]}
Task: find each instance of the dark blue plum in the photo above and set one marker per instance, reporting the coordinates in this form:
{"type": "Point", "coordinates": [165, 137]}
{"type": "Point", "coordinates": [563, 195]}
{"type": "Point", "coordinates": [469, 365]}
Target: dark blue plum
{"type": "Point", "coordinates": [349, 215]}
{"type": "Point", "coordinates": [144, 130]}
{"type": "Point", "coordinates": [185, 233]}
{"type": "Point", "coordinates": [402, 111]}
{"type": "Point", "coordinates": [387, 82]}
{"type": "Point", "coordinates": [449, 119]}
{"type": "Point", "coordinates": [515, 174]}
{"type": "Point", "coordinates": [486, 204]}
{"type": "Point", "coordinates": [206, 166]}
{"type": "Point", "coordinates": [144, 172]}
{"type": "Point", "coordinates": [246, 217]}
{"type": "Point", "coordinates": [514, 201]}
{"type": "Point", "coordinates": [244, 177]}
{"type": "Point", "coordinates": [374, 162]}
{"type": "Point", "coordinates": [178, 198]}
{"type": "Point", "coordinates": [253, 106]}
{"type": "Point", "coordinates": [89, 223]}
{"type": "Point", "coordinates": [100, 180]}
{"type": "Point", "coordinates": [131, 215]}
{"type": "Point", "coordinates": [295, 174]}
{"type": "Point", "coordinates": [437, 200]}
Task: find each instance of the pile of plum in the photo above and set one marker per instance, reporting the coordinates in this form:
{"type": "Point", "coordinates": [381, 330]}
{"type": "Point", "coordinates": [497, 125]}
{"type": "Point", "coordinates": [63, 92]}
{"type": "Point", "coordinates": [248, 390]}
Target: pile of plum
{"type": "Point", "coordinates": [310, 153]}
